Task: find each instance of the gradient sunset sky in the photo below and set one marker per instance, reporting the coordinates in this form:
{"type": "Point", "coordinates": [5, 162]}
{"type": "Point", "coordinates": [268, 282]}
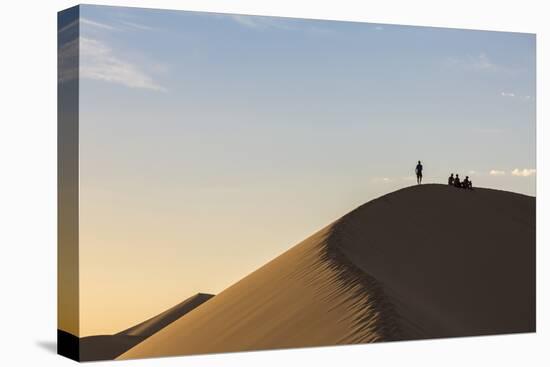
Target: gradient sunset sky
{"type": "Point", "coordinates": [211, 143]}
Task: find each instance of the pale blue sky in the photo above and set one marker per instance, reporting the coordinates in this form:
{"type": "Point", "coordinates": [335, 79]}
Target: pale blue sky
{"type": "Point", "coordinates": [282, 96]}
{"type": "Point", "coordinates": [237, 136]}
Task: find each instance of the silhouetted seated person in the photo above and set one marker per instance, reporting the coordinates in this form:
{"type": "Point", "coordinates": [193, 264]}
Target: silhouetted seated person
{"type": "Point", "coordinates": [467, 184]}
{"type": "Point", "coordinates": [457, 181]}
{"type": "Point", "coordinates": [451, 180]}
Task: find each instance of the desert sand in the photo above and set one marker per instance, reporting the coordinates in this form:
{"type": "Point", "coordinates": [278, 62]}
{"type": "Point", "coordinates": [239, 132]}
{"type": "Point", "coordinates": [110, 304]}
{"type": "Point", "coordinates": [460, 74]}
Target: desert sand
{"type": "Point", "coordinates": [427, 261]}
{"type": "Point", "coordinates": [103, 347]}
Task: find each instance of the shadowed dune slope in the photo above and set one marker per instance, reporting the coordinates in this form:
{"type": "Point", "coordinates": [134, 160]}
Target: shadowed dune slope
{"type": "Point", "coordinates": [106, 347]}
{"type": "Point", "coordinates": [154, 324]}
{"type": "Point", "coordinates": [423, 262]}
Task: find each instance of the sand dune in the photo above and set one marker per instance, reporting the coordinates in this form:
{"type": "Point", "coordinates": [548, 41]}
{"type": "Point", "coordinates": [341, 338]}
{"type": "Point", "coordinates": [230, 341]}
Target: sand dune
{"type": "Point", "coordinates": [104, 347]}
{"type": "Point", "coordinates": [154, 324]}
{"type": "Point", "coordinates": [423, 262]}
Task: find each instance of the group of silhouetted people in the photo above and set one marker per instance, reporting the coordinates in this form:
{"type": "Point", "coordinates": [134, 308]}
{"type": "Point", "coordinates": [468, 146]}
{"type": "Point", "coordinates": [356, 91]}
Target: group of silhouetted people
{"type": "Point", "coordinates": [454, 180]}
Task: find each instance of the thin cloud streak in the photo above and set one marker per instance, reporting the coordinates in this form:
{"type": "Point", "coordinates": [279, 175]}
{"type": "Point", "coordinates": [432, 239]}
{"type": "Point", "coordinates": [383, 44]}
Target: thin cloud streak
{"type": "Point", "coordinates": [137, 26]}
{"type": "Point", "coordinates": [99, 62]}
{"type": "Point", "coordinates": [479, 63]}
{"type": "Point", "coordinates": [482, 62]}
{"type": "Point", "coordinates": [67, 57]}
{"type": "Point", "coordinates": [263, 23]}
{"type": "Point", "coordinates": [97, 24]}
{"type": "Point", "coordinates": [121, 25]}
{"type": "Point", "coordinates": [259, 22]}
{"type": "Point", "coordinates": [69, 26]}
{"type": "Point", "coordinates": [246, 21]}
{"type": "Point", "coordinates": [526, 172]}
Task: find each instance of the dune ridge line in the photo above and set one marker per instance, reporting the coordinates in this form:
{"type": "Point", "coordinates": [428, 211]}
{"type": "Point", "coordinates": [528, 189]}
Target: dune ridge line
{"type": "Point", "coordinates": [427, 261]}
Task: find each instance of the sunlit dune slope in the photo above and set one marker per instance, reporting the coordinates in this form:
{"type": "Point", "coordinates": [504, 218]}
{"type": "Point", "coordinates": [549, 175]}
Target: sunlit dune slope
{"type": "Point", "coordinates": [422, 262]}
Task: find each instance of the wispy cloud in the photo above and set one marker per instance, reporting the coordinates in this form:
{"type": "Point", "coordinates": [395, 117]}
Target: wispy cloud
{"type": "Point", "coordinates": [378, 28]}
{"type": "Point", "coordinates": [381, 179]}
{"type": "Point", "coordinates": [72, 26]}
{"type": "Point", "coordinates": [514, 95]}
{"type": "Point", "coordinates": [259, 22]}
{"type": "Point", "coordinates": [496, 172]}
{"type": "Point", "coordinates": [137, 26]}
{"type": "Point", "coordinates": [117, 25]}
{"type": "Point", "coordinates": [482, 62]}
{"type": "Point", "coordinates": [507, 94]}
{"type": "Point", "coordinates": [526, 172]}
{"type": "Point", "coordinates": [246, 21]}
{"type": "Point", "coordinates": [96, 24]}
{"type": "Point", "coordinates": [99, 62]}
{"type": "Point", "coordinates": [67, 56]}
{"type": "Point", "coordinates": [478, 63]}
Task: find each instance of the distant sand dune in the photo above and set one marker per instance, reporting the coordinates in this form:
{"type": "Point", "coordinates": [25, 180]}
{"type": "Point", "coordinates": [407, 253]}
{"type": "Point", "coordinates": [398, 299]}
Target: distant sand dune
{"type": "Point", "coordinates": [423, 262]}
{"type": "Point", "coordinates": [154, 324]}
{"type": "Point", "coordinates": [105, 347]}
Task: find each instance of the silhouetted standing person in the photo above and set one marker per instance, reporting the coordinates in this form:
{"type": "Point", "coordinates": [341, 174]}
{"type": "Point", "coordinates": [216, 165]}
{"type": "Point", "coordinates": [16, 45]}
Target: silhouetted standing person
{"type": "Point", "coordinates": [451, 180]}
{"type": "Point", "coordinates": [419, 173]}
